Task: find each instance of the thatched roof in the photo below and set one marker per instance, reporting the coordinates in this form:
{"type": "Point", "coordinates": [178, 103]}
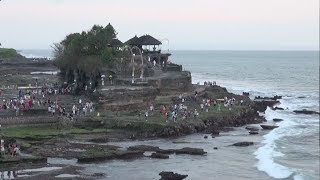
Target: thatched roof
{"type": "Point", "coordinates": [116, 43]}
{"type": "Point", "coordinates": [147, 40]}
{"type": "Point", "coordinates": [132, 41]}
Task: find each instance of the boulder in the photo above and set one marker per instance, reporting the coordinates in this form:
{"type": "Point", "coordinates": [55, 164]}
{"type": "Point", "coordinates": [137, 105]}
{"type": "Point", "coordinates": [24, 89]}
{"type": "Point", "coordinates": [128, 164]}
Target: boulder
{"type": "Point", "coordinates": [268, 126]}
{"type": "Point", "coordinates": [171, 176]}
{"type": "Point", "coordinates": [304, 111]}
{"type": "Point", "coordinates": [245, 93]}
{"type": "Point", "coordinates": [277, 108]}
{"type": "Point", "coordinates": [277, 120]}
{"type": "Point", "coordinates": [215, 148]}
{"type": "Point", "coordinates": [215, 132]}
{"type": "Point", "coordinates": [206, 137]}
{"type": "Point", "coordinates": [262, 104]}
{"type": "Point", "coordinates": [252, 128]}
{"type": "Point", "coordinates": [166, 151]}
{"type": "Point", "coordinates": [191, 151]}
{"type": "Point", "coordinates": [159, 156]}
{"type": "Point", "coordinates": [243, 144]}
{"type": "Point", "coordinates": [253, 132]}
{"type": "Point", "coordinates": [143, 148]}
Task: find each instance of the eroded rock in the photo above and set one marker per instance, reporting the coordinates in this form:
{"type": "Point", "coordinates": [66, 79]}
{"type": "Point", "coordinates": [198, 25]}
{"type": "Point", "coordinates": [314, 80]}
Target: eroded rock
{"type": "Point", "coordinates": [192, 151]}
{"type": "Point", "coordinates": [243, 144]}
{"type": "Point", "coordinates": [159, 156]}
{"type": "Point", "coordinates": [171, 176]}
{"type": "Point", "coordinates": [268, 126]}
{"type": "Point", "coordinates": [304, 111]}
{"type": "Point", "coordinates": [252, 128]}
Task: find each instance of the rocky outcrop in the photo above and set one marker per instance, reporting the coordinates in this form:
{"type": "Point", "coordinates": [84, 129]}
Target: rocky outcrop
{"type": "Point", "coordinates": [268, 98]}
{"type": "Point", "coordinates": [269, 127]}
{"type": "Point", "coordinates": [253, 132]}
{"type": "Point", "coordinates": [185, 150]}
{"type": "Point", "coordinates": [262, 104]}
{"type": "Point", "coordinates": [143, 148]}
{"type": "Point", "coordinates": [243, 144]}
{"type": "Point", "coordinates": [171, 176]}
{"type": "Point", "coordinates": [159, 156]}
{"type": "Point", "coordinates": [277, 120]}
{"type": "Point", "coordinates": [277, 108]}
{"type": "Point", "coordinates": [109, 156]}
{"type": "Point", "coordinates": [252, 128]}
{"type": "Point", "coordinates": [191, 151]}
{"type": "Point", "coordinates": [304, 111]}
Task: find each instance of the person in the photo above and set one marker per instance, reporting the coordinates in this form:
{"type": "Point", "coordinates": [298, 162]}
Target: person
{"type": "Point", "coordinates": [201, 106]}
{"type": "Point", "coordinates": [219, 106]}
{"type": "Point", "coordinates": [15, 150]}
{"type": "Point", "coordinates": [110, 79]}
{"type": "Point", "coordinates": [151, 108]}
{"type": "Point", "coordinates": [146, 115]}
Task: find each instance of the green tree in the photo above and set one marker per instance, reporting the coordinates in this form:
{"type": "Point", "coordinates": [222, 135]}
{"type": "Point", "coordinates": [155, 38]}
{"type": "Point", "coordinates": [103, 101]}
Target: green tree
{"type": "Point", "coordinates": [81, 56]}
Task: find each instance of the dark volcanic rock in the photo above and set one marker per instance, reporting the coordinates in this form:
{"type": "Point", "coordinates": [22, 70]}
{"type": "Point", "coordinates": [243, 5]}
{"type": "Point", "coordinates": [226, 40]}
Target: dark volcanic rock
{"type": "Point", "coordinates": [268, 126]}
{"type": "Point", "coordinates": [253, 132]}
{"type": "Point", "coordinates": [171, 176]}
{"type": "Point", "coordinates": [206, 137]}
{"type": "Point", "coordinates": [266, 98]}
{"type": "Point", "coordinates": [99, 140]}
{"type": "Point", "coordinates": [143, 148]}
{"type": "Point", "coordinates": [304, 111]}
{"type": "Point", "coordinates": [117, 155]}
{"type": "Point", "coordinates": [159, 156]}
{"type": "Point", "coordinates": [242, 144]}
{"type": "Point", "coordinates": [262, 104]}
{"type": "Point", "coordinates": [215, 148]}
{"type": "Point", "coordinates": [277, 108]}
{"type": "Point", "coordinates": [215, 132]}
{"type": "Point", "coordinates": [166, 151]}
{"type": "Point", "coordinates": [301, 97]}
{"type": "Point", "coordinates": [245, 93]}
{"type": "Point", "coordinates": [191, 151]}
{"type": "Point", "coordinates": [277, 120]}
{"type": "Point", "coordinates": [252, 128]}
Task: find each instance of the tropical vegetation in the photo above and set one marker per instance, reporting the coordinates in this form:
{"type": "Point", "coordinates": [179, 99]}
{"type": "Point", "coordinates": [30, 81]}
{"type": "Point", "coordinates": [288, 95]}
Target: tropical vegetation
{"type": "Point", "coordinates": [81, 56]}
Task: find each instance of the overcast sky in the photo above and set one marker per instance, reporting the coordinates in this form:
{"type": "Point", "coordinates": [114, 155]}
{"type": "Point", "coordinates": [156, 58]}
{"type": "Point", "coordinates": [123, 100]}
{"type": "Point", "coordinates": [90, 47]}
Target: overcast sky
{"type": "Point", "coordinates": [188, 24]}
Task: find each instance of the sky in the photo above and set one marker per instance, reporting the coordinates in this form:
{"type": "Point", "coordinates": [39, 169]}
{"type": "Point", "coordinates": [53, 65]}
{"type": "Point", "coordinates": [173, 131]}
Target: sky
{"type": "Point", "coordinates": [187, 24]}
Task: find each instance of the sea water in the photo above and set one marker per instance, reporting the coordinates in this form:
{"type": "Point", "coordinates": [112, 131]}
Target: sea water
{"type": "Point", "coordinates": [292, 150]}
{"type": "Point", "coordinates": [288, 152]}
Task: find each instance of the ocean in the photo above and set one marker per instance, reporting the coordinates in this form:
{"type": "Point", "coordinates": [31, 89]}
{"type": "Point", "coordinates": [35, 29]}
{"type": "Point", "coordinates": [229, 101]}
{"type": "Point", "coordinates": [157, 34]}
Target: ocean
{"type": "Point", "coordinates": [293, 148]}
{"type": "Point", "coordinates": [288, 152]}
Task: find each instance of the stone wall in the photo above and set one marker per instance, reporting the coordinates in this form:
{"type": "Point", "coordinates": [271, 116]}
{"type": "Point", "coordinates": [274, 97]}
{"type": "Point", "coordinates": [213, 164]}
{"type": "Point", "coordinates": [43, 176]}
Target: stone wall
{"type": "Point", "coordinates": [178, 83]}
{"type": "Point", "coordinates": [127, 98]}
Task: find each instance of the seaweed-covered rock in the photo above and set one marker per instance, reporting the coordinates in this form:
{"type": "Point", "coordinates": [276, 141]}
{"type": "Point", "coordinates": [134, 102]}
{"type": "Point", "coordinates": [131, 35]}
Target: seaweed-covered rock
{"type": "Point", "coordinates": [143, 148]}
{"type": "Point", "coordinates": [192, 151]}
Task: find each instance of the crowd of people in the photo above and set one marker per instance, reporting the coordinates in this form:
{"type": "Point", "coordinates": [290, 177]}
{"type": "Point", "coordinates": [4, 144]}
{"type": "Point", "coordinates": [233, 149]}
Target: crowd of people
{"type": "Point", "coordinates": [45, 97]}
{"type": "Point", "coordinates": [179, 109]}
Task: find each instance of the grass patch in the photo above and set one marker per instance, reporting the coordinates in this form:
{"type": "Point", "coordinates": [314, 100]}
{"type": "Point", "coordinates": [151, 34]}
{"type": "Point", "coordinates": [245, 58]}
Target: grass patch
{"type": "Point", "coordinates": [8, 52]}
{"type": "Point", "coordinates": [45, 131]}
